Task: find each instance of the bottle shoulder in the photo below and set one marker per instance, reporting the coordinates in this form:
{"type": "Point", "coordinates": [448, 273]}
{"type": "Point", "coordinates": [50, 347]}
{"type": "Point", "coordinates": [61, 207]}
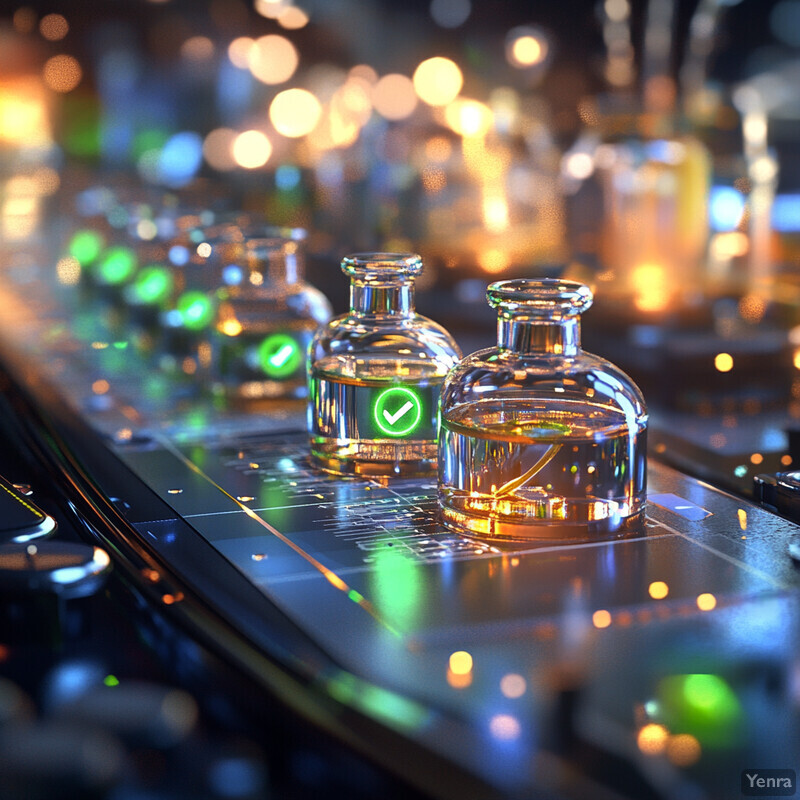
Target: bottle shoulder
{"type": "Point", "coordinates": [400, 345]}
{"type": "Point", "coordinates": [354, 333]}
{"type": "Point", "coordinates": [297, 300]}
{"type": "Point", "coordinates": [494, 374]}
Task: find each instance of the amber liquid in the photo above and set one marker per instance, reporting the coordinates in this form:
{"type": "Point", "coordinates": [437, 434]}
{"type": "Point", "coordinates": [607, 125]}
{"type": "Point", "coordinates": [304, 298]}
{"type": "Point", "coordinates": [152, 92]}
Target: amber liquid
{"type": "Point", "coordinates": [569, 471]}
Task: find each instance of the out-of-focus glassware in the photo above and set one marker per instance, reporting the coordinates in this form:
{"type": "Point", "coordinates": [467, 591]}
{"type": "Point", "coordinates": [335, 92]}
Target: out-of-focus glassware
{"type": "Point", "coordinates": [375, 374]}
{"type": "Point", "coordinates": [266, 318]}
{"type": "Point", "coordinates": [539, 439]}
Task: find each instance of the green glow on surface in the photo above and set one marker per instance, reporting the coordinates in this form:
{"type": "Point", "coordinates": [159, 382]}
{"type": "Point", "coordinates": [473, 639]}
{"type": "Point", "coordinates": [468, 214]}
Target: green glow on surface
{"type": "Point", "coordinates": [393, 709]}
{"type": "Point", "coordinates": [85, 246]}
{"type": "Point", "coordinates": [152, 285]}
{"type": "Point", "coordinates": [396, 585]}
{"type": "Point", "coordinates": [121, 345]}
{"type": "Point", "coordinates": [111, 680]}
{"type": "Point", "coordinates": [196, 310]}
{"type": "Point", "coordinates": [116, 266]}
{"type": "Point", "coordinates": [704, 705]}
{"type": "Point", "coordinates": [279, 355]}
{"type": "Point", "coordinates": [397, 411]}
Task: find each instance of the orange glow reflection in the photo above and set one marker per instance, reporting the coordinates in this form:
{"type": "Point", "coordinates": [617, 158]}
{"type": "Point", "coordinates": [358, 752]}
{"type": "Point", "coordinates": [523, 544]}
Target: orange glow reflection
{"type": "Point", "coordinates": [652, 739]}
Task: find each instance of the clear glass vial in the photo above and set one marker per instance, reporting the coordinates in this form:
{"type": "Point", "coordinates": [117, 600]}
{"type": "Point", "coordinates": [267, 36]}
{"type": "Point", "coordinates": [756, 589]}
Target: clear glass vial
{"type": "Point", "coordinates": [266, 318]}
{"type": "Point", "coordinates": [375, 375]}
{"type": "Point", "coordinates": [539, 439]}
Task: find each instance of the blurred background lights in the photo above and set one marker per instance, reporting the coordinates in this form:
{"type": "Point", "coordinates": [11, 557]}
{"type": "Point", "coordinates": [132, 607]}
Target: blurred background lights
{"type": "Point", "coordinates": [295, 112]}
{"type": "Point", "coordinates": [239, 51]}
{"type": "Point", "coordinates": [53, 27]}
{"type": "Point", "coordinates": [513, 685]}
{"type": "Point", "coordinates": [62, 73]}
{"type": "Point", "coordinates": [526, 47]}
{"type": "Point", "coordinates": [617, 10]}
{"type": "Point", "coordinates": [272, 59]}
{"type": "Point", "coordinates": [601, 618]}
{"type": "Point", "coordinates": [251, 149]}
{"type": "Point", "coordinates": [652, 739]}
{"type": "Point", "coordinates": [723, 362]}
{"type": "Point", "coordinates": [784, 22]}
{"type": "Point", "coordinates": [706, 601]}
{"type": "Point", "coordinates": [293, 18]}
{"type": "Point", "coordinates": [658, 590]}
{"type": "Point", "coordinates": [393, 96]}
{"type": "Point", "coordinates": [725, 208]}
{"type": "Point", "coordinates": [271, 9]}
{"type": "Point", "coordinates": [437, 81]}
{"type": "Point", "coordinates": [197, 48]}
{"type": "Point", "coordinates": [218, 149]}
{"type": "Point", "coordinates": [460, 662]}
{"type": "Point", "coordinates": [24, 19]}
{"type": "Point", "coordinates": [180, 158]}
{"type": "Point", "coordinates": [505, 727]}
{"type": "Point", "coordinates": [469, 118]}
{"type": "Point", "coordinates": [683, 750]}
{"type": "Point", "coordinates": [450, 13]}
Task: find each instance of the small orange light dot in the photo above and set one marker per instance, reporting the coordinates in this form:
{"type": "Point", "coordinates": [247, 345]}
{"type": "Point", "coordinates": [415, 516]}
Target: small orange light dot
{"type": "Point", "coordinates": [723, 362]}
{"type": "Point", "coordinates": [706, 601]}
{"type": "Point", "coordinates": [460, 662]}
{"type": "Point", "coordinates": [601, 618]}
{"type": "Point", "coordinates": [658, 590]}
{"type": "Point", "coordinates": [652, 739]}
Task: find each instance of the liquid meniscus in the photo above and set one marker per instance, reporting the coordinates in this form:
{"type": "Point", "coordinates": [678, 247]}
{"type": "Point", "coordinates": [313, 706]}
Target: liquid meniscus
{"type": "Point", "coordinates": [555, 470]}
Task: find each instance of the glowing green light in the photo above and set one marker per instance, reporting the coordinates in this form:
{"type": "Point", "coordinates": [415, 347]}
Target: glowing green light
{"type": "Point", "coordinates": [279, 355]}
{"type": "Point", "coordinates": [740, 471]}
{"type": "Point", "coordinates": [111, 680]}
{"type": "Point", "coordinates": [397, 411]}
{"type": "Point", "coordinates": [85, 246]}
{"type": "Point", "coordinates": [152, 285]}
{"type": "Point", "coordinates": [116, 266]}
{"type": "Point", "coordinates": [196, 310]}
{"type": "Point", "coordinates": [355, 596]}
{"type": "Point", "coordinates": [701, 704]}
{"type": "Point", "coordinates": [121, 345]}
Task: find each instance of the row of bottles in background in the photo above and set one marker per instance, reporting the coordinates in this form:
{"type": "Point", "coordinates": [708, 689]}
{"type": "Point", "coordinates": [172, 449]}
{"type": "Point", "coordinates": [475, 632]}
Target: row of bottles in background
{"type": "Point", "coordinates": [223, 300]}
{"type": "Point", "coordinates": [533, 439]}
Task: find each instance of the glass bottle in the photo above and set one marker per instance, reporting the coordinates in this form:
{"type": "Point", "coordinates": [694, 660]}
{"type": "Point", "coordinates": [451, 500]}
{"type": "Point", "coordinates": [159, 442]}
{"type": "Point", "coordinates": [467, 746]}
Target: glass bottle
{"type": "Point", "coordinates": [539, 439]}
{"type": "Point", "coordinates": [267, 317]}
{"type": "Point", "coordinates": [375, 375]}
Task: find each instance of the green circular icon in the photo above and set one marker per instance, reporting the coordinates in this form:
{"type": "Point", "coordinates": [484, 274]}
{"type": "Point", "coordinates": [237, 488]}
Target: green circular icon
{"type": "Point", "coordinates": [397, 411]}
{"type": "Point", "coordinates": [279, 355]}
{"type": "Point", "coordinates": [196, 310]}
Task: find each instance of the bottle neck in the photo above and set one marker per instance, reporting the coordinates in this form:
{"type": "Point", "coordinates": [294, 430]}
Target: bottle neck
{"type": "Point", "coordinates": [371, 299]}
{"type": "Point", "coordinates": [540, 336]}
{"type": "Point", "coordinates": [275, 266]}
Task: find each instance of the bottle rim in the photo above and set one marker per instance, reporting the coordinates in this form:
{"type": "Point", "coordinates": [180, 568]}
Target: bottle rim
{"type": "Point", "coordinates": [540, 297]}
{"type": "Point", "coordinates": [382, 266]}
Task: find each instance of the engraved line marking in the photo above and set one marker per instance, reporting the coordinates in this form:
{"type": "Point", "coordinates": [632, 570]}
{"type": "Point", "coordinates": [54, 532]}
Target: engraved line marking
{"type": "Point", "coordinates": [329, 574]}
